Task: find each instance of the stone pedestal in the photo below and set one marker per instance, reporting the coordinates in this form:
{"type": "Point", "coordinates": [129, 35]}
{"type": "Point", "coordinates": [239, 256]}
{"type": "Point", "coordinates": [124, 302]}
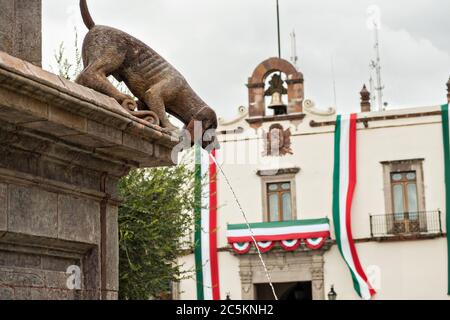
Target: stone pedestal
{"type": "Point", "coordinates": [20, 29]}
{"type": "Point", "coordinates": [63, 149]}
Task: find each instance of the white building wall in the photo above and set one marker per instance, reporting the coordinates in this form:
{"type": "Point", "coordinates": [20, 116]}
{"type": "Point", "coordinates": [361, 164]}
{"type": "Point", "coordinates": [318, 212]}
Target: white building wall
{"type": "Point", "coordinates": [408, 269]}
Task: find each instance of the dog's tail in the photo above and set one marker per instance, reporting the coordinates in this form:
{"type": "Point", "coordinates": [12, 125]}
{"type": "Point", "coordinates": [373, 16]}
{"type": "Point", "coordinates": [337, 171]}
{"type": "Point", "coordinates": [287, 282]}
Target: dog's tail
{"type": "Point", "coordinates": [87, 19]}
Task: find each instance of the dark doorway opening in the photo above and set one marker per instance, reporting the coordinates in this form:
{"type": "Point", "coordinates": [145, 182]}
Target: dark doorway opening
{"type": "Point", "coordinates": [285, 291]}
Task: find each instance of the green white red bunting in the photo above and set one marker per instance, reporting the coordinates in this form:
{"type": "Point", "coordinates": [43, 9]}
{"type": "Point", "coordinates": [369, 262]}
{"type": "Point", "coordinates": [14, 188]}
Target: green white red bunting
{"type": "Point", "coordinates": [206, 258]}
{"type": "Point", "coordinates": [289, 234]}
{"type": "Point", "coordinates": [344, 182]}
{"type": "Point", "coordinates": [446, 138]}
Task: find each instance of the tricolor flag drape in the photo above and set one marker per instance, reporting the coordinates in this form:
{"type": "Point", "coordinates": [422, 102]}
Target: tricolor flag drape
{"type": "Point", "coordinates": [344, 182]}
{"type": "Point", "coordinates": [446, 132]}
{"type": "Point", "coordinates": [206, 261]}
{"type": "Point", "coordinates": [288, 234]}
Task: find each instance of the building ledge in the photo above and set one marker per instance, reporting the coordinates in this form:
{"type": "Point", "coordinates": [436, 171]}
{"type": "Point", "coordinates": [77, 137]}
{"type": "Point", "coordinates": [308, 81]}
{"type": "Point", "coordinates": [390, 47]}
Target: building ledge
{"type": "Point", "coordinates": [383, 116]}
{"type": "Point", "coordinates": [407, 237]}
{"type": "Point", "coordinates": [277, 172]}
{"type": "Point", "coordinates": [284, 117]}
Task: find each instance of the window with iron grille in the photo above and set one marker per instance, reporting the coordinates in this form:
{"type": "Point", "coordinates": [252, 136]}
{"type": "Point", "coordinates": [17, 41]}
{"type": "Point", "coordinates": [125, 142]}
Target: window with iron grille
{"type": "Point", "coordinates": [405, 203]}
{"type": "Point", "coordinates": [404, 197]}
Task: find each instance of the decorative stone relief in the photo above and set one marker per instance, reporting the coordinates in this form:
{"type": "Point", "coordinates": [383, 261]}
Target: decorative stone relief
{"type": "Point", "coordinates": [277, 142]}
{"type": "Point", "coordinates": [310, 107]}
{"type": "Point", "coordinates": [242, 113]}
{"type": "Point", "coordinates": [283, 267]}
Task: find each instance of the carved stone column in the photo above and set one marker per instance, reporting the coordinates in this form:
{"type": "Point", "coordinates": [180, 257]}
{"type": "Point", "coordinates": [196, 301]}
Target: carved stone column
{"type": "Point", "coordinates": [317, 277]}
{"type": "Point", "coordinates": [246, 274]}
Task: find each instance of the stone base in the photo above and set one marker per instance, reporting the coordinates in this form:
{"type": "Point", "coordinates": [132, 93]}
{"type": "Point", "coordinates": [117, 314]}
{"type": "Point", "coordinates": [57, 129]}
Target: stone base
{"type": "Point", "coordinates": [63, 150]}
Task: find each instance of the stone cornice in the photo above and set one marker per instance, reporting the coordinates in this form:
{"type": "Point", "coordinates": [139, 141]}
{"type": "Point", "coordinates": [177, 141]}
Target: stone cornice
{"type": "Point", "coordinates": [278, 172]}
{"type": "Point", "coordinates": [45, 103]}
{"type": "Point", "coordinates": [284, 117]}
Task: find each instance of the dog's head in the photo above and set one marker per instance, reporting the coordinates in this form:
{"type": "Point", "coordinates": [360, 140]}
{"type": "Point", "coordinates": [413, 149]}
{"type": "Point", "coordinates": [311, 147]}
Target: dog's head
{"type": "Point", "coordinates": [206, 119]}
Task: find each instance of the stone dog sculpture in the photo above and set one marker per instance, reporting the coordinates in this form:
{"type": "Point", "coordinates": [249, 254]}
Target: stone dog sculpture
{"type": "Point", "coordinates": [157, 85]}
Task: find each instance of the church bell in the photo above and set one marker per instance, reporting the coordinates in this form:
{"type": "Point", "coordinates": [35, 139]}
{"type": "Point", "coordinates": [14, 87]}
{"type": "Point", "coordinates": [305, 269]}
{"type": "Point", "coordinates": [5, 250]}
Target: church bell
{"type": "Point", "coordinates": [277, 104]}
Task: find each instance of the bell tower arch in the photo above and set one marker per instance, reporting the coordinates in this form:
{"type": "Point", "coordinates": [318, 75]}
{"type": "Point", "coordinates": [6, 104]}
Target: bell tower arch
{"type": "Point", "coordinates": [257, 83]}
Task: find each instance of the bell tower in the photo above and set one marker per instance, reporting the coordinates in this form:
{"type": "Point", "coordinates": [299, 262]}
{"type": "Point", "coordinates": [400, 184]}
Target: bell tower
{"type": "Point", "coordinates": [285, 82]}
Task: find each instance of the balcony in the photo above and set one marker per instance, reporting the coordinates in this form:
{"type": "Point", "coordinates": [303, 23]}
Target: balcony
{"type": "Point", "coordinates": [423, 224]}
{"type": "Point", "coordinates": [288, 234]}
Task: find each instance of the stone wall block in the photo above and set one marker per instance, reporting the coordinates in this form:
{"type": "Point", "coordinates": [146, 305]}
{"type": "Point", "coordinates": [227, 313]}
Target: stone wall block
{"type": "Point", "coordinates": [18, 108]}
{"type": "Point", "coordinates": [79, 219]}
{"type": "Point", "coordinates": [33, 211]}
{"type": "Point", "coordinates": [111, 249]}
{"type": "Point", "coordinates": [22, 277]}
{"type": "Point", "coordinates": [60, 123]}
{"type": "Point", "coordinates": [22, 260]}
{"type": "Point", "coordinates": [6, 293]}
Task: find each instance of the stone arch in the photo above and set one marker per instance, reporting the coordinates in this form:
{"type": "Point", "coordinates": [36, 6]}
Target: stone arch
{"type": "Point", "coordinates": [271, 65]}
{"type": "Point", "coordinates": [256, 84]}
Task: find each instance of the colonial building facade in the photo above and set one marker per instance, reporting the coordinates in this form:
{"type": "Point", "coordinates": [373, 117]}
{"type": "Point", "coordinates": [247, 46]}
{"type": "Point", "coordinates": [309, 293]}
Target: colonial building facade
{"type": "Point", "coordinates": [279, 157]}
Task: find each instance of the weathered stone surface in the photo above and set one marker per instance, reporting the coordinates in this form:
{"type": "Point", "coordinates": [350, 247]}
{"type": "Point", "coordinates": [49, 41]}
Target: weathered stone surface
{"type": "Point", "coordinates": [60, 123]}
{"type": "Point", "coordinates": [112, 295]}
{"type": "Point", "coordinates": [58, 264]}
{"type": "Point", "coordinates": [18, 108]}
{"type": "Point", "coordinates": [56, 280]}
{"type": "Point", "coordinates": [79, 219]}
{"type": "Point", "coordinates": [98, 136]}
{"type": "Point", "coordinates": [20, 29]}
{"type": "Point", "coordinates": [63, 150]}
{"type": "Point", "coordinates": [6, 293]}
{"type": "Point", "coordinates": [22, 260]}
{"type": "Point", "coordinates": [21, 277]}
{"type": "Point", "coordinates": [111, 249]}
{"type": "Point", "coordinates": [35, 277]}
{"type": "Point", "coordinates": [61, 294]}
{"type": "Point", "coordinates": [6, 25]}
{"type": "Point", "coordinates": [33, 211]}
{"type": "Point", "coordinates": [92, 275]}
{"type": "Point", "coordinates": [21, 293]}
{"type": "Point", "coordinates": [3, 207]}
{"type": "Point", "coordinates": [16, 159]}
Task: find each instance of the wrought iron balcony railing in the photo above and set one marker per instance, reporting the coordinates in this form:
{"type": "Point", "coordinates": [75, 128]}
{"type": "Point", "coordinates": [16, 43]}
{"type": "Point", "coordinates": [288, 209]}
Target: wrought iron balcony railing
{"type": "Point", "coordinates": [407, 223]}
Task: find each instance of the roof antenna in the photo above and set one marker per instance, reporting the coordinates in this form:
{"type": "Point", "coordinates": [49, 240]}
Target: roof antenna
{"type": "Point", "coordinates": [334, 82]}
{"type": "Point", "coordinates": [376, 65]}
{"type": "Point", "coordinates": [371, 88]}
{"type": "Point", "coordinates": [294, 57]}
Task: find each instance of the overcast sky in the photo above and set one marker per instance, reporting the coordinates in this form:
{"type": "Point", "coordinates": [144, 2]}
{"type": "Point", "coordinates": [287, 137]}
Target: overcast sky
{"type": "Point", "coordinates": [216, 44]}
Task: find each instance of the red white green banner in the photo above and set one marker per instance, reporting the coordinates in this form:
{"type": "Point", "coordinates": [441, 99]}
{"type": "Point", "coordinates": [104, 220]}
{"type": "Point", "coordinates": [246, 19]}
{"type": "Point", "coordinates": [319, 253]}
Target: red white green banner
{"type": "Point", "coordinates": [344, 183]}
{"type": "Point", "coordinates": [289, 234]}
{"type": "Point", "coordinates": [206, 257]}
{"type": "Point", "coordinates": [446, 138]}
